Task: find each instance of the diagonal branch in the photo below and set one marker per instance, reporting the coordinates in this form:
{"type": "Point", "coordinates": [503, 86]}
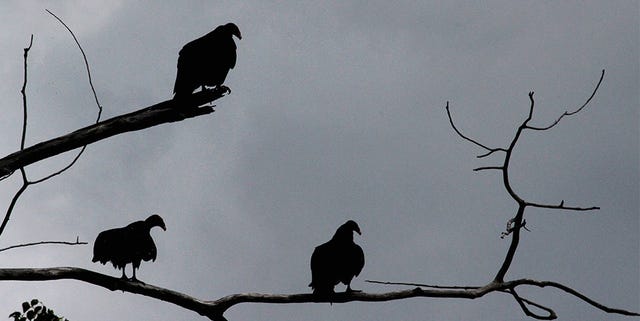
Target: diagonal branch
{"type": "Point", "coordinates": [570, 113]}
{"type": "Point", "coordinates": [489, 149]}
{"type": "Point", "coordinates": [523, 305]}
{"type": "Point", "coordinates": [165, 112]}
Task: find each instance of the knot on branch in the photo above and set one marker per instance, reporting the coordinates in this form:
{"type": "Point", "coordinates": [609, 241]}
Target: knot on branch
{"type": "Point", "coordinates": [511, 226]}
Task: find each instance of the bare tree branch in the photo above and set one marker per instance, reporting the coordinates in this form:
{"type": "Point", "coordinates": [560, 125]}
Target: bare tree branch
{"type": "Point", "coordinates": [568, 113]}
{"type": "Point", "coordinates": [214, 309]}
{"type": "Point", "coordinates": [164, 112]}
{"type": "Point", "coordinates": [25, 181]}
{"type": "Point", "coordinates": [95, 96]}
{"type": "Point", "coordinates": [77, 242]}
{"type": "Point", "coordinates": [523, 305]}
{"type": "Point", "coordinates": [422, 285]}
{"type": "Point", "coordinates": [489, 149]}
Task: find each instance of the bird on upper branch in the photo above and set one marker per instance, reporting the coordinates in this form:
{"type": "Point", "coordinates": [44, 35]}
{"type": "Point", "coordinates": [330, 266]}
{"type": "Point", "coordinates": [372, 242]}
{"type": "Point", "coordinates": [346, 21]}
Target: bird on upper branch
{"type": "Point", "coordinates": [207, 60]}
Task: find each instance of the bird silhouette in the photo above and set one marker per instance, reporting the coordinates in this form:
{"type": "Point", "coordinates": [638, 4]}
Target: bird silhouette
{"type": "Point", "coordinates": [131, 244]}
{"type": "Point", "coordinates": [207, 60]}
{"type": "Point", "coordinates": [338, 260]}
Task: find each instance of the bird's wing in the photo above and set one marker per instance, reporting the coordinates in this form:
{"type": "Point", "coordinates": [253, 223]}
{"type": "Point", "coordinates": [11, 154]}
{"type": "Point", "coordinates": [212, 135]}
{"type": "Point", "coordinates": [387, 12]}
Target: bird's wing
{"type": "Point", "coordinates": [358, 259]}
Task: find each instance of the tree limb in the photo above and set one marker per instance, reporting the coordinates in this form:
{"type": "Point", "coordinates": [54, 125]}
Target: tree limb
{"type": "Point", "coordinates": [214, 309]}
{"type": "Point", "coordinates": [165, 112]}
{"type": "Point", "coordinates": [77, 242]}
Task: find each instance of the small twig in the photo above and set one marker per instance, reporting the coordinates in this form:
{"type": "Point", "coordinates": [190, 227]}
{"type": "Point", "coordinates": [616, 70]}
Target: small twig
{"type": "Point", "coordinates": [561, 206]}
{"type": "Point", "coordinates": [25, 181]}
{"type": "Point", "coordinates": [95, 96]}
{"type": "Point", "coordinates": [77, 242]}
{"type": "Point", "coordinates": [523, 305]}
{"type": "Point", "coordinates": [424, 285]}
{"type": "Point", "coordinates": [570, 113]}
{"type": "Point", "coordinates": [488, 167]}
{"type": "Point", "coordinates": [489, 149]}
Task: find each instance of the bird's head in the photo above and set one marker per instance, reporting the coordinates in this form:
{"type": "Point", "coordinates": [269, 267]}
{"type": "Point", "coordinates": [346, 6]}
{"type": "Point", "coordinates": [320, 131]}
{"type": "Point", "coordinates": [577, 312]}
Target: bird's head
{"type": "Point", "coordinates": [155, 220]}
{"type": "Point", "coordinates": [232, 29]}
{"type": "Point", "coordinates": [345, 231]}
{"type": "Point", "coordinates": [350, 225]}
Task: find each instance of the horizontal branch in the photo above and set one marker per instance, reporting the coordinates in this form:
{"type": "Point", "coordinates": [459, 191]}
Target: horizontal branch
{"type": "Point", "coordinates": [77, 242]}
{"type": "Point", "coordinates": [488, 167]}
{"type": "Point", "coordinates": [214, 310]}
{"type": "Point", "coordinates": [561, 206]}
{"type": "Point", "coordinates": [108, 282]}
{"type": "Point", "coordinates": [164, 112]}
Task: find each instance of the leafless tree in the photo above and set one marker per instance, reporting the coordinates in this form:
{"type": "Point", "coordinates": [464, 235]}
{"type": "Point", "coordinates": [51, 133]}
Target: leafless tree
{"type": "Point", "coordinates": [170, 111]}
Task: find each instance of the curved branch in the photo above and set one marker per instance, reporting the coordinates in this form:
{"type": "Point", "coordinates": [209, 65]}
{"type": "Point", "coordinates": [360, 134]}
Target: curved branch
{"type": "Point", "coordinates": [95, 96]}
{"type": "Point", "coordinates": [523, 305]}
{"type": "Point", "coordinates": [570, 113]}
{"type": "Point", "coordinates": [489, 149]}
{"type": "Point", "coordinates": [542, 284]}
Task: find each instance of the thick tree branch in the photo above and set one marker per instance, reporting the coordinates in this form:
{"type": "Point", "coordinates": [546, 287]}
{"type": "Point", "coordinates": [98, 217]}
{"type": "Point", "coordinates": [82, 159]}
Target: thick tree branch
{"type": "Point", "coordinates": [214, 309]}
{"type": "Point", "coordinates": [164, 112]}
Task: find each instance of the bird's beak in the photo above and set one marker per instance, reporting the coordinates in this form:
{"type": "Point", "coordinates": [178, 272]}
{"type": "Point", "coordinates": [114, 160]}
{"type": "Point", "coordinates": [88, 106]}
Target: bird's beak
{"type": "Point", "coordinates": [358, 231]}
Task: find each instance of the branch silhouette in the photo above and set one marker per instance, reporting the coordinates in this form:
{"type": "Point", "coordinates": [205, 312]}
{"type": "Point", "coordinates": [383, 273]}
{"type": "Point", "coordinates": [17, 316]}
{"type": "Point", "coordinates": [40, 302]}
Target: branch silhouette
{"type": "Point", "coordinates": [215, 309]}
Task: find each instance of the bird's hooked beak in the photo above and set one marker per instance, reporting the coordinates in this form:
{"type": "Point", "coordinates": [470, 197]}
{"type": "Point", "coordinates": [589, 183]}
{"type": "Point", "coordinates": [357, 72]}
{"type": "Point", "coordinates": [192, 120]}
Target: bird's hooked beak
{"type": "Point", "coordinates": [156, 220]}
{"type": "Point", "coordinates": [357, 230]}
{"type": "Point", "coordinates": [234, 29]}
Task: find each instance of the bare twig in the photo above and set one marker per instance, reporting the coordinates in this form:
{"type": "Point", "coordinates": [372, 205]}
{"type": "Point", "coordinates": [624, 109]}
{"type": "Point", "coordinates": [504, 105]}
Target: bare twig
{"type": "Point", "coordinates": [489, 149]}
{"type": "Point", "coordinates": [25, 181]}
{"type": "Point", "coordinates": [95, 96]}
{"type": "Point", "coordinates": [422, 285]}
{"type": "Point", "coordinates": [561, 206]}
{"type": "Point", "coordinates": [86, 64]}
{"type": "Point", "coordinates": [568, 113]}
{"type": "Point", "coordinates": [487, 168]}
{"type": "Point", "coordinates": [77, 242]}
{"type": "Point", "coordinates": [523, 305]}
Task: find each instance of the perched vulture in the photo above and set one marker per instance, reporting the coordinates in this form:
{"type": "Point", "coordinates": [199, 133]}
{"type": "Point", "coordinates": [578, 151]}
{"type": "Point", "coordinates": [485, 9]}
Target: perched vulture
{"type": "Point", "coordinates": [206, 60]}
{"type": "Point", "coordinates": [338, 260]}
{"type": "Point", "coordinates": [130, 244]}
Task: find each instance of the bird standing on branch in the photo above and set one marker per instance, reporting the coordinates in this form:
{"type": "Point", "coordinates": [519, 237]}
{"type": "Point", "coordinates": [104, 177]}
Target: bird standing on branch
{"type": "Point", "coordinates": [338, 260]}
{"type": "Point", "coordinates": [130, 244]}
{"type": "Point", "coordinates": [207, 60]}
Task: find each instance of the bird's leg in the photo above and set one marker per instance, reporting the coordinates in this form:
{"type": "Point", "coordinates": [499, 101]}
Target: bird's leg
{"type": "Point", "coordinates": [134, 275]}
{"type": "Point", "coordinates": [124, 277]}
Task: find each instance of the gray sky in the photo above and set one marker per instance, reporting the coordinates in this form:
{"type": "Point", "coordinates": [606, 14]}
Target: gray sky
{"type": "Point", "coordinates": [337, 112]}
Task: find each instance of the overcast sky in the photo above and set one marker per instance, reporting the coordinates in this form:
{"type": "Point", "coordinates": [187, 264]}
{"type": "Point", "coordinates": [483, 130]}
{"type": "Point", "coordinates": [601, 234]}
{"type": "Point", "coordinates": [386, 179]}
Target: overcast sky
{"type": "Point", "coordinates": [337, 113]}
